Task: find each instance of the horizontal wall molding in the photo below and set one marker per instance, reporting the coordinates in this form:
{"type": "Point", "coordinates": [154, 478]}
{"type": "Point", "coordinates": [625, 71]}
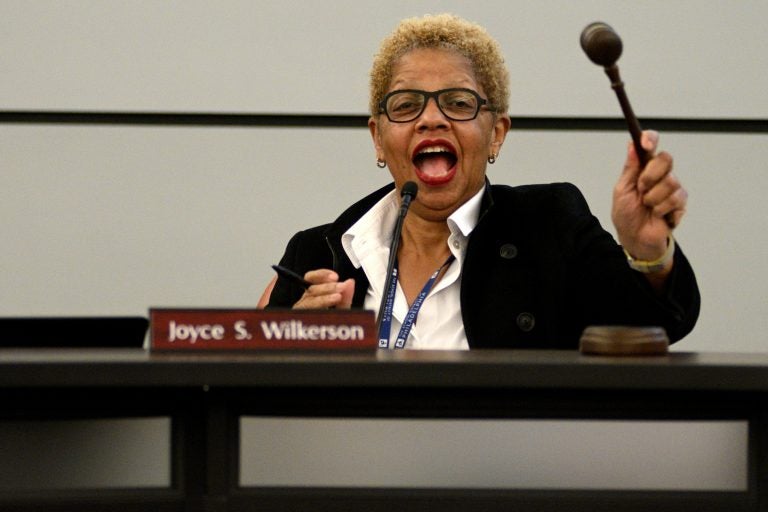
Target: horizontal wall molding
{"type": "Point", "coordinates": [360, 121]}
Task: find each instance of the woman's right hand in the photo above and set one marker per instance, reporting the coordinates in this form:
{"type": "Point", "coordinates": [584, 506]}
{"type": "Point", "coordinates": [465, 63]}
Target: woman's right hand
{"type": "Point", "coordinates": [326, 291]}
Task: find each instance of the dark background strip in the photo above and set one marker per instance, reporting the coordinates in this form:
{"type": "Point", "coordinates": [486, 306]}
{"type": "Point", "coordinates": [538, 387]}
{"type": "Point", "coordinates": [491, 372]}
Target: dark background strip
{"type": "Point", "coordinates": [360, 121]}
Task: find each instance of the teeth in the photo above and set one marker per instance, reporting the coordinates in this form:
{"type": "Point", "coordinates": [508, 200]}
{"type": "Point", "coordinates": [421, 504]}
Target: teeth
{"type": "Point", "coordinates": [434, 149]}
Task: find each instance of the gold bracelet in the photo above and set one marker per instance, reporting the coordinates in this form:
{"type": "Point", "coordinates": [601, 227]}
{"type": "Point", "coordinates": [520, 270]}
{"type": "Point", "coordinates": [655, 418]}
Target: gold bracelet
{"type": "Point", "coordinates": [657, 265]}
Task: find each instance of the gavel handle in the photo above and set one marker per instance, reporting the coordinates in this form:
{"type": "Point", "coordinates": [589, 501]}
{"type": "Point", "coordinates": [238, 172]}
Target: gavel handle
{"type": "Point", "coordinates": [635, 131]}
{"type": "Point", "coordinates": [633, 124]}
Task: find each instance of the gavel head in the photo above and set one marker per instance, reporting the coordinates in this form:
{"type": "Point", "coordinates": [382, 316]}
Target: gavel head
{"type": "Point", "coordinates": [601, 44]}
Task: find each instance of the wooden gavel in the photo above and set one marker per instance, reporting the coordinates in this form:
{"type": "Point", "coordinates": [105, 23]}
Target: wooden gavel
{"type": "Point", "coordinates": [603, 47]}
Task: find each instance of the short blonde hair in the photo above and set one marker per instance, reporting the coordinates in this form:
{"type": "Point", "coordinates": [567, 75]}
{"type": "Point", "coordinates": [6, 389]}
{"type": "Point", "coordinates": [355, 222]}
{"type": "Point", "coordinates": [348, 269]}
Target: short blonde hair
{"type": "Point", "coordinates": [443, 31]}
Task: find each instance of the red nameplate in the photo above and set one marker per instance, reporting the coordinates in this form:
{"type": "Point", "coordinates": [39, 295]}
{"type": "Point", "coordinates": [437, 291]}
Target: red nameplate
{"type": "Point", "coordinates": [238, 329]}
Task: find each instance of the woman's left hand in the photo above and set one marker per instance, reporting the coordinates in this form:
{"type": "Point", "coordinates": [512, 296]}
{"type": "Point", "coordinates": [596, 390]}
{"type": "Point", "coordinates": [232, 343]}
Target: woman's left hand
{"type": "Point", "coordinates": [648, 203]}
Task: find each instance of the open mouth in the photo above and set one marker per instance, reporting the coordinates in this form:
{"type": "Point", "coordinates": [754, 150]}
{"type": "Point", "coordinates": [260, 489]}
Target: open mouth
{"type": "Point", "coordinates": [435, 162]}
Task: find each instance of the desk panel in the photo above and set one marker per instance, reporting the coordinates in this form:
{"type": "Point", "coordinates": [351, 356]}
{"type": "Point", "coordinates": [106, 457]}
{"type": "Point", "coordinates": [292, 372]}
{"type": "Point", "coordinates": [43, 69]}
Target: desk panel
{"type": "Point", "coordinates": [227, 410]}
{"type": "Point", "coordinates": [81, 454]}
{"type": "Point", "coordinates": [494, 454]}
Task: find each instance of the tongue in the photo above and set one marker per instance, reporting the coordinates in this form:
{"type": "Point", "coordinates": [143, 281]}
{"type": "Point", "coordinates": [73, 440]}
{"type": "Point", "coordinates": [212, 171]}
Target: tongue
{"type": "Point", "coordinates": [434, 165]}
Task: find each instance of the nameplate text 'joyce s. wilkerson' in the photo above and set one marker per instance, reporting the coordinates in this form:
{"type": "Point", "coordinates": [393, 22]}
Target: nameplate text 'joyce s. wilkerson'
{"type": "Point", "coordinates": [242, 329]}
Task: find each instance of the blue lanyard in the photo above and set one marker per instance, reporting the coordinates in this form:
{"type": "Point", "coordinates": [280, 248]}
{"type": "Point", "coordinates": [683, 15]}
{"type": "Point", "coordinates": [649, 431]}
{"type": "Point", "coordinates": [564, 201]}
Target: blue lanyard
{"type": "Point", "coordinates": [413, 311]}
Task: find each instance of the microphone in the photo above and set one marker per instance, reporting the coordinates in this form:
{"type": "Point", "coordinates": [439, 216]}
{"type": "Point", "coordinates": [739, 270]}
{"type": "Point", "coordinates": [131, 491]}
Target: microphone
{"type": "Point", "coordinates": [407, 194]}
{"type": "Point", "coordinates": [603, 47]}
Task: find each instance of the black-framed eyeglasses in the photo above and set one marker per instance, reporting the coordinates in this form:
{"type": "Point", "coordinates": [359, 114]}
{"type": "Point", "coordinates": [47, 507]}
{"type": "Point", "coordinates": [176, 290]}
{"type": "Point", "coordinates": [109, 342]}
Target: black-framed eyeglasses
{"type": "Point", "coordinates": [457, 104]}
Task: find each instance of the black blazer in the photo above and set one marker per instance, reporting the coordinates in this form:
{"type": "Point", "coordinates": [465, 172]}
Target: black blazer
{"type": "Point", "coordinates": [539, 268]}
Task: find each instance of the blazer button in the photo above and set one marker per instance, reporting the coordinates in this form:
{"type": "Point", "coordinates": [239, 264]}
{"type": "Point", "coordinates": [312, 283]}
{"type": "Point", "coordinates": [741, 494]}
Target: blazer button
{"type": "Point", "coordinates": [526, 321]}
{"type": "Point", "coordinates": [508, 251]}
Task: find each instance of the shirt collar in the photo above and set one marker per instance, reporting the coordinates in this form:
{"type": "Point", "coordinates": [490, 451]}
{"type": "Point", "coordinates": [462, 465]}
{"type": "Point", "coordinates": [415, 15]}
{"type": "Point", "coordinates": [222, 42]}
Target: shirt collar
{"type": "Point", "coordinates": [465, 218]}
{"type": "Point", "coordinates": [374, 229]}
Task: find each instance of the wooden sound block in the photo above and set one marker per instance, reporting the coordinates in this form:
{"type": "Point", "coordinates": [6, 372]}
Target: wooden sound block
{"type": "Point", "coordinates": [621, 340]}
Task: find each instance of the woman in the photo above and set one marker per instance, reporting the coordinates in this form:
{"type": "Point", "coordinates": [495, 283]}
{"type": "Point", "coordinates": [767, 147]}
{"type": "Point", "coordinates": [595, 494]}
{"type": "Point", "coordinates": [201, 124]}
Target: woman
{"type": "Point", "coordinates": [496, 266]}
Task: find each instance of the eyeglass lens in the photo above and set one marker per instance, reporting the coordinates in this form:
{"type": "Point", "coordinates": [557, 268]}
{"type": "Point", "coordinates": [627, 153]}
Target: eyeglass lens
{"type": "Point", "coordinates": [455, 104]}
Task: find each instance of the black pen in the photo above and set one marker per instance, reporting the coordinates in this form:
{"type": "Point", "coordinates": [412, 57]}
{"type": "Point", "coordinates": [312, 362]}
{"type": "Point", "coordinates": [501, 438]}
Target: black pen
{"type": "Point", "coordinates": [291, 276]}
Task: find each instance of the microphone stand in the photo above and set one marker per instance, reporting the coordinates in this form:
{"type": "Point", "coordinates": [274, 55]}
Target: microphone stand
{"type": "Point", "coordinates": [408, 193]}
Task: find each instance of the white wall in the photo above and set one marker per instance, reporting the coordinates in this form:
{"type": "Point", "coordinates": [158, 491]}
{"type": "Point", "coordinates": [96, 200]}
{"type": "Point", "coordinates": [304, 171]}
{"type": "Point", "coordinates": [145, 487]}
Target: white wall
{"type": "Point", "coordinates": [691, 58]}
{"type": "Point", "coordinates": [113, 219]}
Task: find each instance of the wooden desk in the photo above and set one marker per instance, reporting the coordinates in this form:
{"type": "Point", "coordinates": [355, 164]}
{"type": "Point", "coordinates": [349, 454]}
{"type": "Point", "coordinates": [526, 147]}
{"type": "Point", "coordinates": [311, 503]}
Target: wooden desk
{"type": "Point", "coordinates": [205, 395]}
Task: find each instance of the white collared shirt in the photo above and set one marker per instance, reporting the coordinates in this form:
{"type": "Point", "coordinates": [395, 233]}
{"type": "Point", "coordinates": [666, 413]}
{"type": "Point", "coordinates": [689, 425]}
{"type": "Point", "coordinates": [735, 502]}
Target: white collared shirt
{"type": "Point", "coordinates": [439, 324]}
